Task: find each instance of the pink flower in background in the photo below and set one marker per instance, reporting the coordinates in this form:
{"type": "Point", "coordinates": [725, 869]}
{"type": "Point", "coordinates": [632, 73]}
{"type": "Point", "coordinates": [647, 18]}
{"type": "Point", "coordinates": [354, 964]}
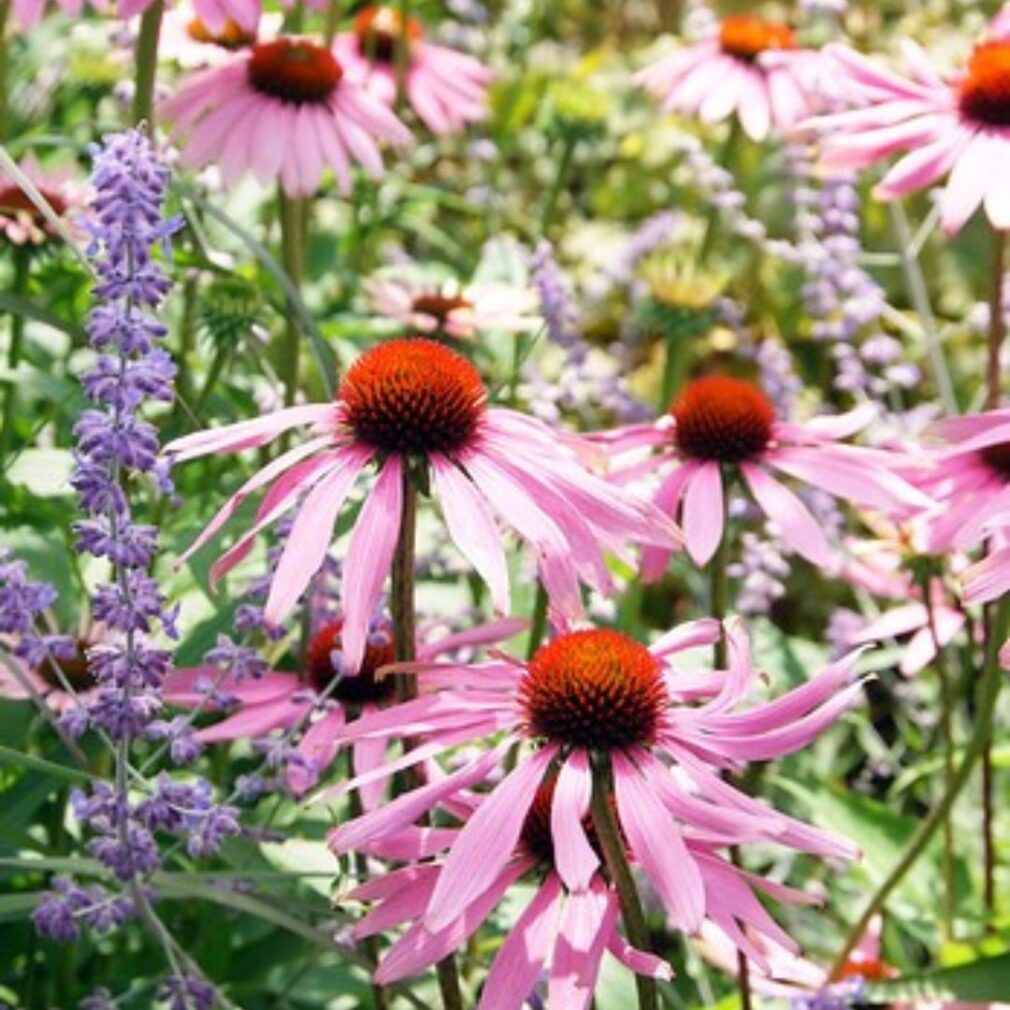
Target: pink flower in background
{"type": "Point", "coordinates": [720, 424]}
{"type": "Point", "coordinates": [944, 126]}
{"type": "Point", "coordinates": [281, 700]}
{"type": "Point", "coordinates": [28, 13]}
{"type": "Point", "coordinates": [21, 222]}
{"type": "Point", "coordinates": [445, 88]}
{"type": "Point", "coordinates": [450, 309]}
{"type": "Point", "coordinates": [749, 67]}
{"type": "Point", "coordinates": [284, 111]}
{"type": "Point", "coordinates": [217, 16]}
{"type": "Point", "coordinates": [970, 481]}
{"type": "Point", "coordinates": [877, 566]}
{"type": "Point", "coordinates": [600, 692]}
{"type": "Point", "coordinates": [190, 43]}
{"type": "Point", "coordinates": [416, 400]}
{"type": "Point", "coordinates": [570, 922]}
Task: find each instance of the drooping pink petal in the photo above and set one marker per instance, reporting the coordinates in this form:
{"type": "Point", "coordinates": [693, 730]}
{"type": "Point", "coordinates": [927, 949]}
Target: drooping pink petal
{"type": "Point", "coordinates": [488, 840]}
{"type": "Point", "coordinates": [703, 513]}
{"type": "Point", "coordinates": [800, 530]}
{"type": "Point", "coordinates": [574, 857]}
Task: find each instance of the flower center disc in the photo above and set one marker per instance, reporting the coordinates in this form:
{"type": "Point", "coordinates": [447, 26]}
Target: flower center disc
{"type": "Point", "coordinates": [294, 70]}
{"type": "Point", "coordinates": [439, 306]}
{"type": "Point", "coordinates": [231, 36]}
{"type": "Point", "coordinates": [380, 32]}
{"type": "Point", "coordinates": [597, 689]}
{"type": "Point", "coordinates": [413, 396]}
{"type": "Point", "coordinates": [723, 419]}
{"type": "Point", "coordinates": [985, 90]}
{"type": "Point", "coordinates": [75, 669]}
{"type": "Point", "coordinates": [14, 201]}
{"type": "Point", "coordinates": [357, 688]}
{"type": "Point", "coordinates": [997, 458]}
{"type": "Point", "coordinates": [746, 37]}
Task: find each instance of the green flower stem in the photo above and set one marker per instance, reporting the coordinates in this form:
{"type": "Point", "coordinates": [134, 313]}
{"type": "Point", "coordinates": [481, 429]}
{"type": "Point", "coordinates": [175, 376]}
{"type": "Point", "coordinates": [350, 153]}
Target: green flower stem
{"type": "Point", "coordinates": [293, 217]}
{"type": "Point", "coordinates": [146, 65]}
{"type": "Point", "coordinates": [991, 681]}
{"type": "Point", "coordinates": [404, 638]}
{"type": "Point", "coordinates": [560, 178]}
{"type": "Point", "coordinates": [22, 269]}
{"type": "Point", "coordinates": [609, 835]}
{"type": "Point", "coordinates": [331, 22]}
{"type": "Point", "coordinates": [918, 294]}
{"type": "Point", "coordinates": [947, 741]}
{"type": "Point", "coordinates": [5, 10]}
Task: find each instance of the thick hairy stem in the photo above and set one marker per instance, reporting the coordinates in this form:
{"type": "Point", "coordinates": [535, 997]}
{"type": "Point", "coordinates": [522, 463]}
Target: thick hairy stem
{"type": "Point", "coordinates": [609, 835]}
{"type": "Point", "coordinates": [991, 681]}
{"type": "Point", "coordinates": [145, 65]}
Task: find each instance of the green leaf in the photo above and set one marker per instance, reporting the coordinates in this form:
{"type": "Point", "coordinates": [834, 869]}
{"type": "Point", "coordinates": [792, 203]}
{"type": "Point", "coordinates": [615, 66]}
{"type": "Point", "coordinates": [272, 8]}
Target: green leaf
{"type": "Point", "coordinates": [50, 768]}
{"type": "Point", "coordinates": [21, 306]}
{"type": "Point", "coordinates": [44, 472]}
{"type": "Point", "coordinates": [18, 906]}
{"type": "Point", "coordinates": [977, 982]}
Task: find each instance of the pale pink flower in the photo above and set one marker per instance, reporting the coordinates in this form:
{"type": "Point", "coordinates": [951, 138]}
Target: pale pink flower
{"type": "Point", "coordinates": [450, 309]}
{"type": "Point", "coordinates": [669, 733]}
{"type": "Point", "coordinates": [21, 222]}
{"type": "Point", "coordinates": [446, 89]}
{"type": "Point", "coordinates": [217, 16]}
{"type": "Point", "coordinates": [28, 13]}
{"type": "Point", "coordinates": [970, 482]}
{"type": "Point", "coordinates": [282, 700]}
{"type": "Point", "coordinates": [878, 566]}
{"type": "Point", "coordinates": [186, 41]}
{"type": "Point", "coordinates": [570, 922]}
{"type": "Point", "coordinates": [415, 402]}
{"type": "Point", "coordinates": [953, 126]}
{"type": "Point", "coordinates": [749, 67]}
{"type": "Point", "coordinates": [283, 110]}
{"type": "Point", "coordinates": [720, 425]}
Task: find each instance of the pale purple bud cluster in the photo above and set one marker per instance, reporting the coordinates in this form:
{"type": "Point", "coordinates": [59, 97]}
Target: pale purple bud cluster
{"type": "Point", "coordinates": [839, 996]}
{"type": "Point", "coordinates": [762, 570]}
{"type": "Point", "coordinates": [187, 992]}
{"type": "Point", "coordinates": [68, 907]}
{"type": "Point", "coordinates": [22, 602]}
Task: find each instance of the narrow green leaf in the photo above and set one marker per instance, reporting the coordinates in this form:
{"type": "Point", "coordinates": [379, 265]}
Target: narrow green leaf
{"type": "Point", "coordinates": [978, 982]}
{"type": "Point", "coordinates": [50, 768]}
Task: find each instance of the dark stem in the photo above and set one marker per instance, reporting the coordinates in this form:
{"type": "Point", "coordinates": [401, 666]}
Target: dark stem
{"type": "Point", "coordinates": [947, 734]}
{"type": "Point", "coordinates": [146, 66]}
{"type": "Point", "coordinates": [404, 639]}
{"type": "Point", "coordinates": [538, 621]}
{"type": "Point", "coordinates": [292, 219]}
{"type": "Point", "coordinates": [22, 269]}
{"type": "Point", "coordinates": [991, 681]}
{"type": "Point", "coordinates": [609, 835]}
{"type": "Point", "coordinates": [5, 10]}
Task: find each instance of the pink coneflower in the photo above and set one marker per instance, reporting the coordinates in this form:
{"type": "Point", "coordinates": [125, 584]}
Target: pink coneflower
{"type": "Point", "coordinates": [445, 88]}
{"type": "Point", "coordinates": [721, 425]}
{"type": "Point", "coordinates": [50, 680]}
{"type": "Point", "coordinates": [954, 126]}
{"type": "Point", "coordinates": [416, 402]}
{"type": "Point", "coordinates": [970, 482]}
{"type": "Point", "coordinates": [190, 43]}
{"type": "Point", "coordinates": [447, 308]}
{"type": "Point", "coordinates": [21, 222]}
{"type": "Point", "coordinates": [217, 17]}
{"type": "Point", "coordinates": [878, 567]}
{"type": "Point", "coordinates": [598, 692]}
{"type": "Point", "coordinates": [750, 67]}
{"type": "Point", "coordinates": [280, 700]}
{"type": "Point", "coordinates": [285, 111]}
{"type": "Point", "coordinates": [571, 920]}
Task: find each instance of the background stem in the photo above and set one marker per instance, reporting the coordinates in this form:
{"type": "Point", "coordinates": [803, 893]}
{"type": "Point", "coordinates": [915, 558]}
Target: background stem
{"type": "Point", "coordinates": [991, 681]}
{"type": "Point", "coordinates": [146, 66]}
{"type": "Point", "coordinates": [22, 266]}
{"type": "Point", "coordinates": [293, 257]}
